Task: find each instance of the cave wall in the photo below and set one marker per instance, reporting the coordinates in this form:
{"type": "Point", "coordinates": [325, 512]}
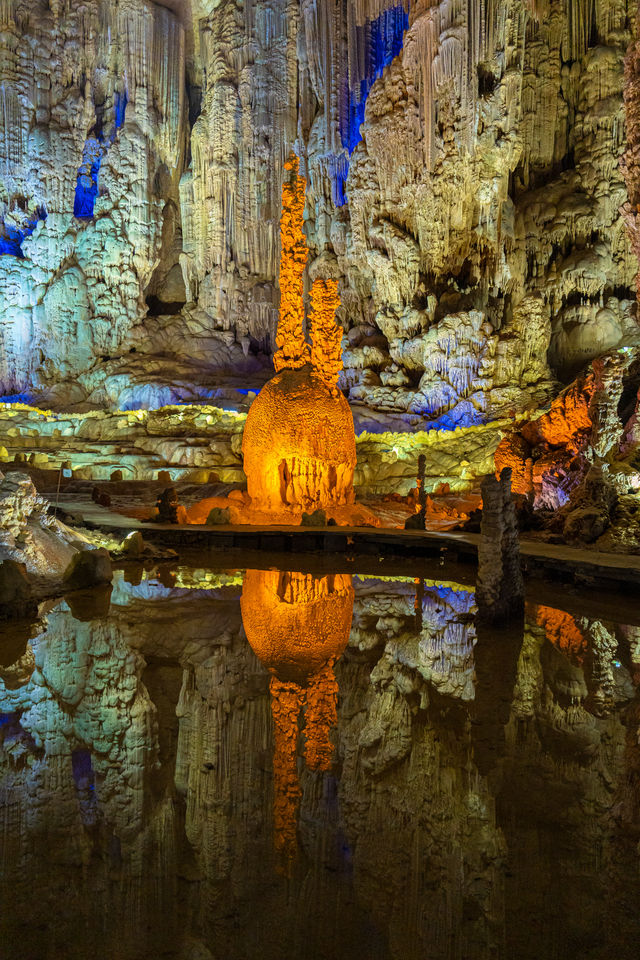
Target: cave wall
{"type": "Point", "coordinates": [93, 115]}
{"type": "Point", "coordinates": [464, 188]}
{"type": "Point", "coordinates": [474, 218]}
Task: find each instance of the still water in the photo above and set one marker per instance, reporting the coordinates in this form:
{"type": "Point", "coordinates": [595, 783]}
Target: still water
{"type": "Point", "coordinates": [271, 765]}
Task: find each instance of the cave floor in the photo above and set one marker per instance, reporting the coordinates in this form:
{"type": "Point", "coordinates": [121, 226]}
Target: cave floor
{"type": "Point", "coordinates": [540, 559]}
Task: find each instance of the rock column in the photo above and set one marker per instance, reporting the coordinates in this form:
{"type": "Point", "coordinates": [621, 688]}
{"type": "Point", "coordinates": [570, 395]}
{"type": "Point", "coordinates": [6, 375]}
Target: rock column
{"type": "Point", "coordinates": [500, 587]}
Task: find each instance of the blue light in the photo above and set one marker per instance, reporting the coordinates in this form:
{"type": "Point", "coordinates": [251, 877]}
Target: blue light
{"type": "Point", "coordinates": [120, 105]}
{"type": "Point", "coordinates": [87, 182]}
{"type": "Point", "coordinates": [12, 238]}
{"type": "Point", "coordinates": [382, 41]}
{"type": "Point", "coordinates": [95, 149]}
{"type": "Point", "coordinates": [378, 42]}
{"type": "Point", "coordinates": [457, 418]}
{"type": "Point", "coordinates": [26, 398]}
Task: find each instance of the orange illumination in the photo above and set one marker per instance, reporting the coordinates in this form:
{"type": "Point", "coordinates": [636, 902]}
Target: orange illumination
{"type": "Point", "coordinates": [299, 445]}
{"type": "Point", "coordinates": [320, 718]}
{"type": "Point", "coordinates": [514, 452]}
{"type": "Point", "coordinates": [563, 631]}
{"type": "Point", "coordinates": [298, 625]}
{"type": "Point", "coordinates": [568, 420]}
{"type": "Point", "coordinates": [293, 351]}
{"type": "Point", "coordinates": [286, 701]}
{"type": "Point", "coordinates": [296, 622]}
{"type": "Point", "coordinates": [326, 334]}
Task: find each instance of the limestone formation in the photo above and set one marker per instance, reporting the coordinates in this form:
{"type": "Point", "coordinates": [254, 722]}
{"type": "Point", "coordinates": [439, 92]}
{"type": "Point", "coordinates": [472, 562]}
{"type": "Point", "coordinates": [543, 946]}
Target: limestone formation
{"type": "Point", "coordinates": [299, 441]}
{"type": "Point", "coordinates": [293, 350]}
{"type": "Point", "coordinates": [463, 189]}
{"type": "Point", "coordinates": [30, 535]}
{"type": "Point", "coordinates": [299, 446]}
{"type": "Point", "coordinates": [93, 114]}
{"type": "Point", "coordinates": [460, 187]}
{"type": "Point", "coordinates": [500, 587]}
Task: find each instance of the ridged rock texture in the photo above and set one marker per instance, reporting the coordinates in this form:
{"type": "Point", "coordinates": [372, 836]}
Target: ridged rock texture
{"type": "Point", "coordinates": [464, 192]}
{"type": "Point", "coordinates": [474, 214]}
{"type": "Point", "coordinates": [93, 119]}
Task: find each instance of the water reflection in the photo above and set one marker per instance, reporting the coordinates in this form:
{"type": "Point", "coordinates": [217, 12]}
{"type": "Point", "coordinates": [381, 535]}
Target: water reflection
{"type": "Point", "coordinates": [298, 626]}
{"type": "Point", "coordinates": [435, 789]}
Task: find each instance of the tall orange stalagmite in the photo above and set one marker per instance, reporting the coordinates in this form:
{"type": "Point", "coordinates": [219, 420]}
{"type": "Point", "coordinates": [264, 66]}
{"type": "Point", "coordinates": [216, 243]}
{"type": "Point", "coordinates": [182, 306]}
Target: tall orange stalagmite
{"type": "Point", "coordinates": [326, 334]}
{"type": "Point", "coordinates": [298, 626]}
{"type": "Point", "coordinates": [299, 444]}
{"type": "Point", "coordinates": [293, 350]}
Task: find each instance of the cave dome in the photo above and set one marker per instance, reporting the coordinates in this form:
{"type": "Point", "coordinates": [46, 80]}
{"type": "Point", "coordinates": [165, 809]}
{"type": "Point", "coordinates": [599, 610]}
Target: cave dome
{"type": "Point", "coordinates": [299, 445]}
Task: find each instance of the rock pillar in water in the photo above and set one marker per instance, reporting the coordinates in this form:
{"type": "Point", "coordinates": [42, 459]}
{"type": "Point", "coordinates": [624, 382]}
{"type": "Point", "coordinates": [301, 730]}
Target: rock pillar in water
{"type": "Point", "coordinates": [500, 587]}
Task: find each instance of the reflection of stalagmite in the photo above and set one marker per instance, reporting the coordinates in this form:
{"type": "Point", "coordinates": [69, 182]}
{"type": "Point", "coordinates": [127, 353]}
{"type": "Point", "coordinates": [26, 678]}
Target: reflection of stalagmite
{"type": "Point", "coordinates": [298, 625]}
{"type": "Point", "coordinates": [299, 441]}
{"type": "Point", "coordinates": [563, 631]}
{"type": "Point", "coordinates": [321, 717]}
{"type": "Point", "coordinates": [286, 701]}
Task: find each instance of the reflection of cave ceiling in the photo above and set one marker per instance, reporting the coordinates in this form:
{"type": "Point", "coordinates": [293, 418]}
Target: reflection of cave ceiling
{"type": "Point", "coordinates": [463, 187]}
{"type": "Point", "coordinates": [469, 803]}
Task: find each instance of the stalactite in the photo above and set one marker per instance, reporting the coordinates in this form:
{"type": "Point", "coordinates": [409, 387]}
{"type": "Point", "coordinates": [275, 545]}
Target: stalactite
{"type": "Point", "coordinates": [326, 333]}
{"type": "Point", "coordinates": [630, 161]}
{"type": "Point", "coordinates": [448, 43]}
{"type": "Point", "coordinates": [293, 351]}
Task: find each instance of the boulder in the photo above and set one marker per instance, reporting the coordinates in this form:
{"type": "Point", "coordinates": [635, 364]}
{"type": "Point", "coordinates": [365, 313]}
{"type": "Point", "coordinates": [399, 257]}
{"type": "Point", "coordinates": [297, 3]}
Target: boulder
{"type": "Point", "coordinates": [88, 568]}
{"type": "Point", "coordinates": [317, 518]}
{"type": "Point", "coordinates": [218, 516]}
{"type": "Point", "coordinates": [15, 586]}
{"type": "Point", "coordinates": [585, 525]}
{"type": "Point", "coordinates": [133, 546]}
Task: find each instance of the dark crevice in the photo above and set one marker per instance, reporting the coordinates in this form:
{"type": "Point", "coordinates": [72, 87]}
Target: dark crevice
{"type": "Point", "coordinates": [160, 308]}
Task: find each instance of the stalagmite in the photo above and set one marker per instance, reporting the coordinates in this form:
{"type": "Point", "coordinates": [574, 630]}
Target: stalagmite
{"type": "Point", "coordinates": [293, 351]}
{"type": "Point", "coordinates": [326, 334]}
{"type": "Point", "coordinates": [299, 441]}
{"type": "Point", "coordinates": [500, 588]}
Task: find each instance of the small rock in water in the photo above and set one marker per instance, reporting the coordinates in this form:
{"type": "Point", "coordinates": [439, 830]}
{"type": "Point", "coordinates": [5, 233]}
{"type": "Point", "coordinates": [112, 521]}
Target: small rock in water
{"type": "Point", "coordinates": [87, 568]}
{"type": "Point", "coordinates": [133, 545]}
